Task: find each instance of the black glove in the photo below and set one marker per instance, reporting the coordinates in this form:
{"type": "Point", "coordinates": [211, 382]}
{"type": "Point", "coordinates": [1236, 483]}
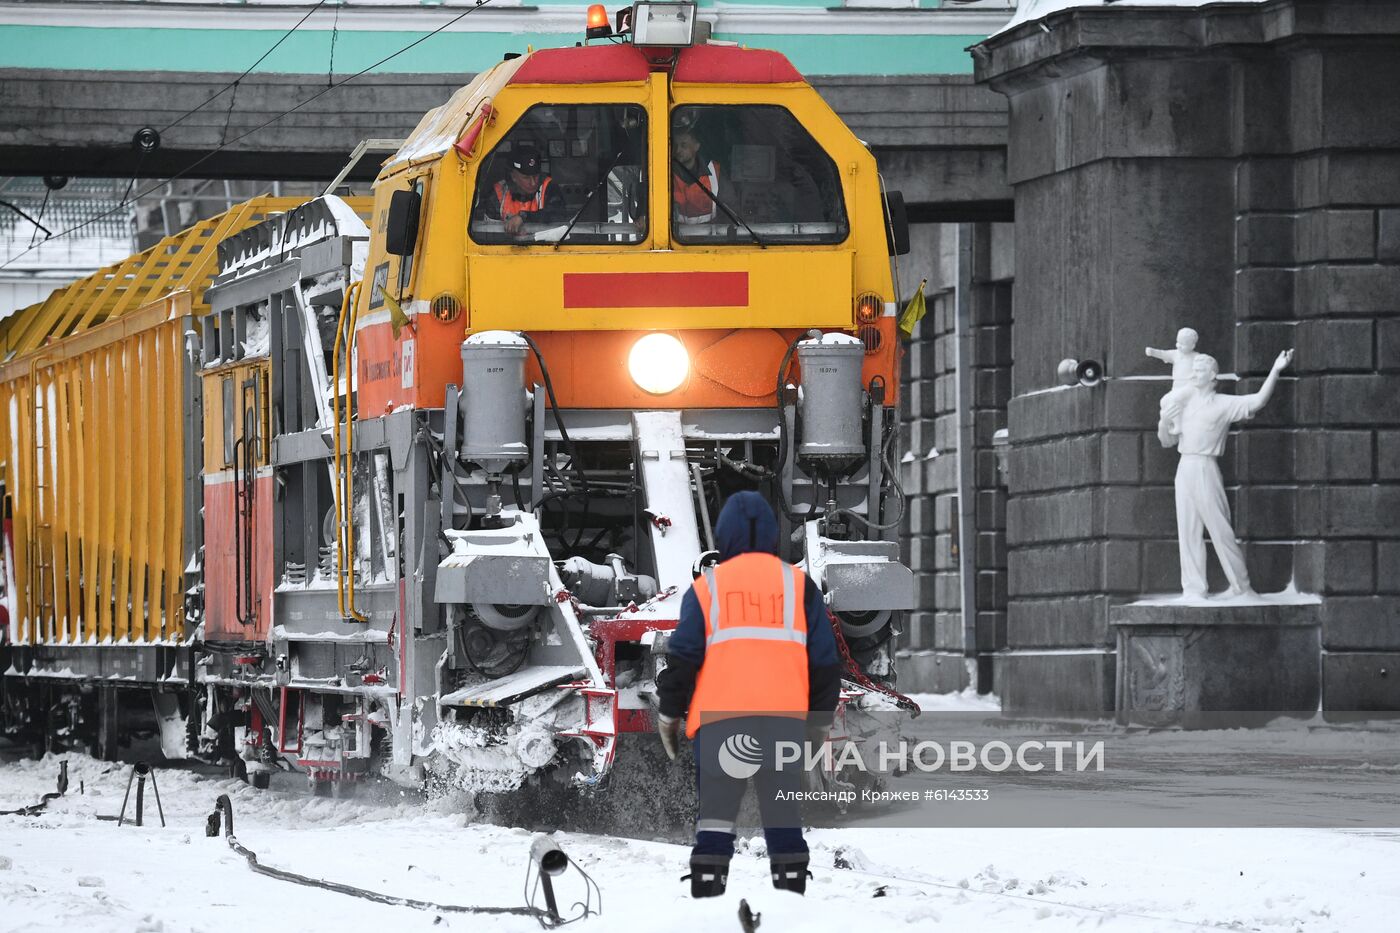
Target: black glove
{"type": "Point", "coordinates": [669, 728]}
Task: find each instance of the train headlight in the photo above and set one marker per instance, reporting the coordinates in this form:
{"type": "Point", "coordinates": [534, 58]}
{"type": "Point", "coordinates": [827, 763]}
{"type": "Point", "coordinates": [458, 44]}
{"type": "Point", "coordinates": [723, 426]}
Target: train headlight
{"type": "Point", "coordinates": [658, 363]}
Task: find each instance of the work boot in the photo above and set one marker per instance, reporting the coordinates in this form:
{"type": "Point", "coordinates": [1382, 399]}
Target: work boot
{"type": "Point", "coordinates": [708, 875]}
{"type": "Point", "coordinates": [790, 871]}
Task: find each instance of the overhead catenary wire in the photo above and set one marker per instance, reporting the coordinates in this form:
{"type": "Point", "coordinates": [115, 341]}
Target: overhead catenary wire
{"type": "Point", "coordinates": [228, 114]}
{"type": "Point", "coordinates": [335, 32]}
{"type": "Point", "coordinates": [34, 234]}
{"type": "Point", "coordinates": [135, 173]}
{"type": "Point", "coordinates": [341, 83]}
{"type": "Point", "coordinates": [261, 126]}
{"type": "Point", "coordinates": [32, 220]}
{"type": "Point", "coordinates": [247, 71]}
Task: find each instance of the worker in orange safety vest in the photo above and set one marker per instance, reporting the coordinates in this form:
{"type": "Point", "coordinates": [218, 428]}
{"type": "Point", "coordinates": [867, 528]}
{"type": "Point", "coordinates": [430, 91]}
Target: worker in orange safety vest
{"type": "Point", "coordinates": [753, 652]}
{"type": "Point", "coordinates": [526, 193]}
{"type": "Point", "coordinates": [693, 179]}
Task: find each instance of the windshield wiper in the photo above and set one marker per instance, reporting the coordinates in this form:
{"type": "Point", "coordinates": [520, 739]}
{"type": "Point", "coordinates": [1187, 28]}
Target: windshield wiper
{"type": "Point", "coordinates": [593, 192]}
{"type": "Point", "coordinates": [733, 215]}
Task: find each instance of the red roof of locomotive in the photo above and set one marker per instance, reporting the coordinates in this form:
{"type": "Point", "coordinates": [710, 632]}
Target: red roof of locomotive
{"type": "Point", "coordinates": [700, 64]}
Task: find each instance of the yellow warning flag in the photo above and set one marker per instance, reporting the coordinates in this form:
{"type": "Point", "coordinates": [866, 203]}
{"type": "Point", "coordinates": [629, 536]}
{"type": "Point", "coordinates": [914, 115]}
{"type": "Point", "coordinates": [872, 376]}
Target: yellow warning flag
{"type": "Point", "coordinates": [914, 310]}
{"type": "Point", "coordinates": [396, 316]}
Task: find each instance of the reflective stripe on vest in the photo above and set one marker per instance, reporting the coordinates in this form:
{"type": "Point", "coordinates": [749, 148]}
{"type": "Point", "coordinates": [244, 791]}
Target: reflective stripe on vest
{"type": "Point", "coordinates": [510, 205]}
{"type": "Point", "coordinates": [787, 633]}
{"type": "Point", "coordinates": [682, 195]}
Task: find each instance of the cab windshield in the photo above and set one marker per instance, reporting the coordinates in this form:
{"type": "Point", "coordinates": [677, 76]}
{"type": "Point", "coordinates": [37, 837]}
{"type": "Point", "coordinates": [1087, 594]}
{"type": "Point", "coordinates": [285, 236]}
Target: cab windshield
{"type": "Point", "coordinates": [565, 174]}
{"type": "Point", "coordinates": [751, 174]}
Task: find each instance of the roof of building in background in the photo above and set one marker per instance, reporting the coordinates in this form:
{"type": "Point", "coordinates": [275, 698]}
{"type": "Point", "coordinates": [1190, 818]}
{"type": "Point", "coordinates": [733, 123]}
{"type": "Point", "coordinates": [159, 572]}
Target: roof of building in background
{"type": "Point", "coordinates": [91, 201]}
{"type": "Point", "coordinates": [187, 261]}
{"type": "Point", "coordinates": [49, 237]}
{"type": "Point", "coordinates": [1032, 10]}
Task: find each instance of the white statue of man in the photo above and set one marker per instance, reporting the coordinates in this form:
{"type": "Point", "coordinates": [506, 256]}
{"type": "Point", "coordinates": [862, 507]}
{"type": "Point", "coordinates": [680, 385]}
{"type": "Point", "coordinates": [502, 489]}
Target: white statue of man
{"type": "Point", "coordinates": [1197, 422]}
{"type": "Point", "coordinates": [1182, 358]}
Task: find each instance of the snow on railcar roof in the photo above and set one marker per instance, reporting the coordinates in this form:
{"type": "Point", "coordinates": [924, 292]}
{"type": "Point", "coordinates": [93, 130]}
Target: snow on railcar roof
{"type": "Point", "coordinates": [440, 127]}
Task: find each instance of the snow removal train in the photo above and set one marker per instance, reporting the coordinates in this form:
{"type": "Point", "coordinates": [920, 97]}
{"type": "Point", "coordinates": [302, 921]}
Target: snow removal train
{"type": "Point", "coordinates": [413, 485]}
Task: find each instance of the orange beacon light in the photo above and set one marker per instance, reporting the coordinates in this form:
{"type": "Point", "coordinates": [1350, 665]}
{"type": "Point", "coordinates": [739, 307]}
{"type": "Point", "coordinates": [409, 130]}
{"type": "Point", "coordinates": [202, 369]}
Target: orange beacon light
{"type": "Point", "coordinates": [598, 26]}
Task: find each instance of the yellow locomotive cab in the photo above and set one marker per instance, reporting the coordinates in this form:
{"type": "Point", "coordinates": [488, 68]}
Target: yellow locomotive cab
{"type": "Point", "coordinates": [797, 235]}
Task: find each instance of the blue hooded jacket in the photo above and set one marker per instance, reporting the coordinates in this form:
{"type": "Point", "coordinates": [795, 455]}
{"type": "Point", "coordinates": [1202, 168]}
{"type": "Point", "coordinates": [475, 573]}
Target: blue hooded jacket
{"type": "Point", "coordinates": [747, 525]}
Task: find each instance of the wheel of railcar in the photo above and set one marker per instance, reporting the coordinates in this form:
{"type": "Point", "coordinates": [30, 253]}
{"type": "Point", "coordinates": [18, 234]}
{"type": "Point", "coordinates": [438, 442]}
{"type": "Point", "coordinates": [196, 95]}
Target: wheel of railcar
{"type": "Point", "coordinates": [262, 779]}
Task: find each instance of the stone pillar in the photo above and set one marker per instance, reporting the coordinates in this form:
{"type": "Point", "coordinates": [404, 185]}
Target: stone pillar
{"type": "Point", "coordinates": [934, 658]}
{"type": "Point", "coordinates": [987, 391]}
{"type": "Point", "coordinates": [947, 649]}
{"type": "Point", "coordinates": [1235, 168]}
{"type": "Point", "coordinates": [1338, 252]}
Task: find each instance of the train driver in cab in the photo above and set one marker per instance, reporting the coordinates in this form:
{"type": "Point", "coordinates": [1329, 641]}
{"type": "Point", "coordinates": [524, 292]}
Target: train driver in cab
{"type": "Point", "coordinates": [526, 194]}
{"type": "Point", "coordinates": [692, 175]}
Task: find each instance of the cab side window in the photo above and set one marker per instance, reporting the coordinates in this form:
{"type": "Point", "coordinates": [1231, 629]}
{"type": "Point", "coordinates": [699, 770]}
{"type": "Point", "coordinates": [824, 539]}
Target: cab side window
{"type": "Point", "coordinates": [571, 174]}
{"type": "Point", "coordinates": [751, 173]}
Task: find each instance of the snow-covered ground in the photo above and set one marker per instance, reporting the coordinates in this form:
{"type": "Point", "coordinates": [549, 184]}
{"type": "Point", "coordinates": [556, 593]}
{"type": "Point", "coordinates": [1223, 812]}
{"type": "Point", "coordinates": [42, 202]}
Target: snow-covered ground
{"type": "Point", "coordinates": [66, 870]}
{"type": "Point", "coordinates": [968, 701]}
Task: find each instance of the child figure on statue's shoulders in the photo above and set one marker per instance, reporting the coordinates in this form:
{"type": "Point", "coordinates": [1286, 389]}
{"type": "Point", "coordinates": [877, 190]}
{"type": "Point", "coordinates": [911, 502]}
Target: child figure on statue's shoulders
{"type": "Point", "coordinates": [1182, 358]}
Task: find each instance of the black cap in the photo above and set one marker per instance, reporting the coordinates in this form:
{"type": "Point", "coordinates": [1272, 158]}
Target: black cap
{"type": "Point", "coordinates": [526, 160]}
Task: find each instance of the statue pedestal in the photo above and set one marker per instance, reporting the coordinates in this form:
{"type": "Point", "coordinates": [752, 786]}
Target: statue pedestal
{"type": "Point", "coordinates": [1178, 661]}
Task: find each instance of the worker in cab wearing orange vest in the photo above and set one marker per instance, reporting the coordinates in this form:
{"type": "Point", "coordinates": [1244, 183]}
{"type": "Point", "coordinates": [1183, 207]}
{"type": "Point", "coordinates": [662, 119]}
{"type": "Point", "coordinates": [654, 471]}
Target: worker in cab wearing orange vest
{"type": "Point", "coordinates": [691, 178]}
{"type": "Point", "coordinates": [752, 662]}
{"type": "Point", "coordinates": [525, 195]}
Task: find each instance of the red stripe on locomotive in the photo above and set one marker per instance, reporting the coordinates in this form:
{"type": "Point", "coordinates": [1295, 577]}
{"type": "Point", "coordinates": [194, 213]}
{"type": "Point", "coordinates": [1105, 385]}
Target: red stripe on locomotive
{"type": "Point", "coordinates": [656, 289]}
